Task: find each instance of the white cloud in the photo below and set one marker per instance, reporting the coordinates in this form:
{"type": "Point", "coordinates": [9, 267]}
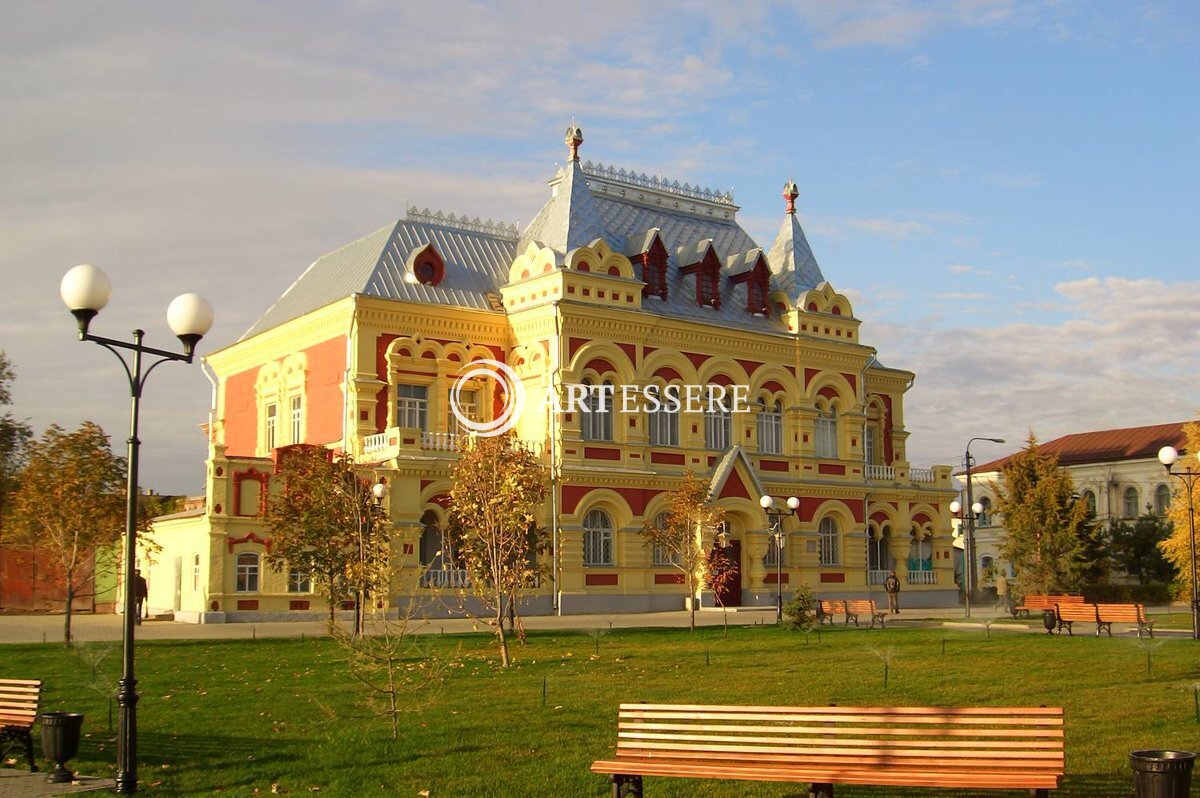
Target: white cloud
{"type": "Point", "coordinates": [963, 268]}
{"type": "Point", "coordinates": [1124, 355]}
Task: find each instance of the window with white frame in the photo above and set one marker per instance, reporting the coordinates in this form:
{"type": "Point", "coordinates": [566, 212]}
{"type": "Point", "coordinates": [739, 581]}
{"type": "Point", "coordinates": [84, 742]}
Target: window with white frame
{"type": "Point", "coordinates": [869, 454]}
{"type": "Point", "coordinates": [297, 419]}
{"type": "Point", "coordinates": [299, 581]}
{"type": "Point", "coordinates": [770, 427]}
{"type": "Point", "coordinates": [1130, 502]}
{"type": "Point", "coordinates": [597, 538]}
{"type": "Point", "coordinates": [412, 406]}
{"type": "Point", "coordinates": [468, 406]}
{"type": "Point", "coordinates": [246, 573]}
{"type": "Point", "coordinates": [596, 423]}
{"type": "Point", "coordinates": [878, 555]}
{"type": "Point", "coordinates": [718, 425]}
{"type": "Point", "coordinates": [663, 424]}
{"type": "Point", "coordinates": [985, 514]}
{"type": "Point", "coordinates": [776, 550]}
{"type": "Point", "coordinates": [270, 426]}
{"type": "Point", "coordinates": [1090, 498]}
{"type": "Point", "coordinates": [1162, 500]}
{"type": "Point", "coordinates": [661, 557]}
{"type": "Point", "coordinates": [826, 433]}
{"type": "Point", "coordinates": [830, 543]}
{"type": "Point", "coordinates": [195, 573]}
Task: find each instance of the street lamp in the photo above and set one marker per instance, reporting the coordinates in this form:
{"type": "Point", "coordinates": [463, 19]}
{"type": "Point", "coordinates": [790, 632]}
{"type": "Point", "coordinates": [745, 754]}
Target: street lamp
{"type": "Point", "coordinates": [85, 290]}
{"type": "Point", "coordinates": [1167, 456]}
{"type": "Point", "coordinates": [776, 517]}
{"type": "Point", "coordinates": [969, 537]}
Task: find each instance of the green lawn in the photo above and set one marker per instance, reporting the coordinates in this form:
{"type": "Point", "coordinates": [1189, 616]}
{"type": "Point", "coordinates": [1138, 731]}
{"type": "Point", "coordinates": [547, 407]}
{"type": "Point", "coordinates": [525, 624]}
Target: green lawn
{"type": "Point", "coordinates": [240, 716]}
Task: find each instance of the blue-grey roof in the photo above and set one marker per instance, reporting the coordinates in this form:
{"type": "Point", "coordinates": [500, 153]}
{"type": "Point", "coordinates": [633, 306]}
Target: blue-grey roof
{"type": "Point", "coordinates": [586, 203]}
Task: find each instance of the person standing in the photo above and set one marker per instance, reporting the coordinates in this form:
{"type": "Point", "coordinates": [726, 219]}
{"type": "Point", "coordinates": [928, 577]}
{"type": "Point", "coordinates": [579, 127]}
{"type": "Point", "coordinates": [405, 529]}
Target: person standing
{"type": "Point", "coordinates": [892, 586]}
{"type": "Point", "coordinates": [140, 592]}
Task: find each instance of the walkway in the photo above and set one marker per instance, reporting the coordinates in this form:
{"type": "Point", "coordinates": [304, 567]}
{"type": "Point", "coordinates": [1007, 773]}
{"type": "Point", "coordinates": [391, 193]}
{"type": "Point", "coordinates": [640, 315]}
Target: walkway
{"type": "Point", "coordinates": [23, 784]}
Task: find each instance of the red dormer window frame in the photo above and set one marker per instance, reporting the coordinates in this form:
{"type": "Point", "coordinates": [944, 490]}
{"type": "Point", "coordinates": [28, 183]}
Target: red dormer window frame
{"type": "Point", "coordinates": [758, 287]}
{"type": "Point", "coordinates": [654, 269]}
{"type": "Point", "coordinates": [708, 279]}
{"type": "Point", "coordinates": [428, 266]}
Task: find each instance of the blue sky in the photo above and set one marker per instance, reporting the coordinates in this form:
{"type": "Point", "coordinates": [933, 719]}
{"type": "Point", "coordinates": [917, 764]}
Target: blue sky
{"type": "Point", "coordinates": [1007, 190]}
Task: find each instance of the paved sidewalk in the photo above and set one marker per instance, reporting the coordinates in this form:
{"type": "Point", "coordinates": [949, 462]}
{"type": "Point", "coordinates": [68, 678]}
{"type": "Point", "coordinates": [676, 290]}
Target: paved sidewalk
{"type": "Point", "coordinates": [97, 628]}
{"type": "Point", "coordinates": [23, 784]}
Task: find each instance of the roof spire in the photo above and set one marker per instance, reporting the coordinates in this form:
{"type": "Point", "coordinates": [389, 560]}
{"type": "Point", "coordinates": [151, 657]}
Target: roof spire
{"type": "Point", "coordinates": [790, 192]}
{"type": "Point", "coordinates": [573, 140]}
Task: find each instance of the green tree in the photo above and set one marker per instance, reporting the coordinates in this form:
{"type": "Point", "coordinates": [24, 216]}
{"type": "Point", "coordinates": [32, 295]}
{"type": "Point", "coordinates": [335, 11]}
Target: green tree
{"type": "Point", "coordinates": [14, 437]}
{"type": "Point", "coordinates": [70, 502]}
{"type": "Point", "coordinates": [324, 524]}
{"type": "Point", "coordinates": [1136, 547]}
{"type": "Point", "coordinates": [1177, 547]}
{"type": "Point", "coordinates": [800, 612]}
{"type": "Point", "coordinates": [1046, 524]}
{"type": "Point", "coordinates": [679, 534]}
{"type": "Point", "coordinates": [498, 488]}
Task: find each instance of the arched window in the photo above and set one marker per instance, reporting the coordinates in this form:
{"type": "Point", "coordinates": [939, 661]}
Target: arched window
{"type": "Point", "coordinates": [1129, 504]}
{"type": "Point", "coordinates": [431, 552]}
{"type": "Point", "coordinates": [1162, 500]}
{"type": "Point", "coordinates": [661, 556]}
{"type": "Point", "coordinates": [826, 433]}
{"type": "Point", "coordinates": [831, 547]}
{"type": "Point", "coordinates": [247, 572]}
{"type": "Point", "coordinates": [878, 556]}
{"type": "Point", "coordinates": [985, 515]}
{"type": "Point", "coordinates": [663, 422]}
{"type": "Point", "coordinates": [718, 422]}
{"type": "Point", "coordinates": [597, 538]}
{"type": "Point", "coordinates": [596, 423]}
{"type": "Point", "coordinates": [770, 427]}
{"type": "Point", "coordinates": [1090, 498]}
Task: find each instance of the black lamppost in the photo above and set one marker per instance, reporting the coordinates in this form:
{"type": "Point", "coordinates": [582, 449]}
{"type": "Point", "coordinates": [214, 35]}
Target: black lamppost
{"type": "Point", "coordinates": [969, 536]}
{"type": "Point", "coordinates": [1167, 456]}
{"type": "Point", "coordinates": [956, 509]}
{"type": "Point", "coordinates": [778, 536]}
{"type": "Point", "coordinates": [85, 290]}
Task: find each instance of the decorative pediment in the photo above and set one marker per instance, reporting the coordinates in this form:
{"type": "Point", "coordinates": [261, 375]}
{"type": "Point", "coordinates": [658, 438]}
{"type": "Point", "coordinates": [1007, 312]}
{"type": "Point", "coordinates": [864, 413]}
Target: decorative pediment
{"type": "Point", "coordinates": [599, 258]}
{"type": "Point", "coordinates": [536, 259]}
{"type": "Point", "coordinates": [823, 299]}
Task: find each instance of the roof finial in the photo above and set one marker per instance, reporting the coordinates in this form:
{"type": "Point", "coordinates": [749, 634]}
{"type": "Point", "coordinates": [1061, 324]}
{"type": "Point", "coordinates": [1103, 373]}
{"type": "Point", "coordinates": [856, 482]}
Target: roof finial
{"type": "Point", "coordinates": [790, 192]}
{"type": "Point", "coordinates": [573, 140]}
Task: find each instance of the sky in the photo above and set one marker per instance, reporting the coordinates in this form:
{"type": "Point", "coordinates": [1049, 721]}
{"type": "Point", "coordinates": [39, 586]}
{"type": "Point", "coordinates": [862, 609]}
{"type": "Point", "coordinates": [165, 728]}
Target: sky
{"type": "Point", "coordinates": [1006, 190]}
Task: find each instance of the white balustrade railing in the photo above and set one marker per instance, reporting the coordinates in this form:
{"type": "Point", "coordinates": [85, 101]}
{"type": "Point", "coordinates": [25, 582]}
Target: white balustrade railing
{"type": "Point", "coordinates": [920, 474]}
{"type": "Point", "coordinates": [876, 577]}
{"type": "Point", "coordinates": [441, 441]}
{"type": "Point", "coordinates": [446, 577]}
{"type": "Point", "coordinates": [374, 443]}
{"type": "Point", "coordinates": [880, 471]}
{"type": "Point", "coordinates": [922, 577]}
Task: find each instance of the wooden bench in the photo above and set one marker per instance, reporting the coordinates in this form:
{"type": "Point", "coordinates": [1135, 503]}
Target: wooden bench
{"type": "Point", "coordinates": [970, 747]}
{"type": "Point", "coordinates": [1104, 615]}
{"type": "Point", "coordinates": [1043, 602]}
{"type": "Point", "coordinates": [18, 711]}
{"type": "Point", "coordinates": [828, 609]}
{"type": "Point", "coordinates": [857, 607]}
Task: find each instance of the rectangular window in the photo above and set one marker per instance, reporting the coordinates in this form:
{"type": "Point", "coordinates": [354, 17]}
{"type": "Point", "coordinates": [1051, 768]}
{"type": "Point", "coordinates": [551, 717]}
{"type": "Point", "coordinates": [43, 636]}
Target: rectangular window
{"type": "Point", "coordinates": [773, 556]}
{"type": "Point", "coordinates": [869, 446]}
{"type": "Point", "coordinates": [271, 425]}
{"type": "Point", "coordinates": [662, 558]}
{"type": "Point", "coordinates": [468, 405]}
{"type": "Point", "coordinates": [597, 547]}
{"type": "Point", "coordinates": [596, 424]}
{"type": "Point", "coordinates": [195, 573]}
{"type": "Point", "coordinates": [247, 573]}
{"type": "Point", "coordinates": [770, 432]}
{"type": "Point", "coordinates": [664, 427]}
{"type": "Point", "coordinates": [299, 581]}
{"type": "Point", "coordinates": [297, 419]}
{"type": "Point", "coordinates": [412, 406]}
{"type": "Point", "coordinates": [826, 437]}
{"type": "Point", "coordinates": [718, 429]}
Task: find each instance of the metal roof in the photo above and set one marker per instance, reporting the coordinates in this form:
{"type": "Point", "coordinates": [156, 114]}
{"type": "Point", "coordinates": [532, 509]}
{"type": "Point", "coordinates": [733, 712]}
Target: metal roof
{"type": "Point", "coordinates": [791, 259]}
{"type": "Point", "coordinates": [1105, 446]}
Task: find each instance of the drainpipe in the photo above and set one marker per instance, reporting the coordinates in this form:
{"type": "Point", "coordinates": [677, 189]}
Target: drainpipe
{"type": "Point", "coordinates": [346, 378]}
{"type": "Point", "coordinates": [212, 405]}
{"type": "Point", "coordinates": [862, 384]}
{"type": "Point", "coordinates": [555, 379]}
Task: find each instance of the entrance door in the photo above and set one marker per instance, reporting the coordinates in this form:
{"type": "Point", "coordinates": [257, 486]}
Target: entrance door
{"type": "Point", "coordinates": [731, 594]}
{"type": "Point", "coordinates": [178, 583]}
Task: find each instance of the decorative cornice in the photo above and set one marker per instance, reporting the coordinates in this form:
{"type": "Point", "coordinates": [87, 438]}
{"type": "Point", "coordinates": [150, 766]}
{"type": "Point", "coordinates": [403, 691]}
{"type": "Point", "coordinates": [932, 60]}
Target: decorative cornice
{"type": "Point", "coordinates": [487, 227]}
{"type": "Point", "coordinates": [656, 183]}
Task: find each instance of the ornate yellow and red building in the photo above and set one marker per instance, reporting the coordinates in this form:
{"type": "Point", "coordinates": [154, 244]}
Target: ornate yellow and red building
{"type": "Point", "coordinates": [621, 279]}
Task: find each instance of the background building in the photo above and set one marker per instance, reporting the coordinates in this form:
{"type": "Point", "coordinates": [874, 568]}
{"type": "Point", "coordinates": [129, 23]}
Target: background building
{"type": "Point", "coordinates": [621, 279]}
{"type": "Point", "coordinates": [1116, 470]}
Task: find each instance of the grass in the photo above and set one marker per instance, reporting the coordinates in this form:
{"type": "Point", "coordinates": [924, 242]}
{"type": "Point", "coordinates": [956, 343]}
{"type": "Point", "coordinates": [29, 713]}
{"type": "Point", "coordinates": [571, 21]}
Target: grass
{"type": "Point", "coordinates": [238, 717]}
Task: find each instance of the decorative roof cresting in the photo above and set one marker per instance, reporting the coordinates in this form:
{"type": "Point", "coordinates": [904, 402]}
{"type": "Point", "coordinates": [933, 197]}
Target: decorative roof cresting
{"type": "Point", "coordinates": [656, 183]}
{"type": "Point", "coordinates": [488, 227]}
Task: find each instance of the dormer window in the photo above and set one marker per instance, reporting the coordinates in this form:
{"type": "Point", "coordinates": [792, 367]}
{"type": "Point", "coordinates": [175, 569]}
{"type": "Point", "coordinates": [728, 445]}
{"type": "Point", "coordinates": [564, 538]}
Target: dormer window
{"type": "Point", "coordinates": [750, 269]}
{"type": "Point", "coordinates": [426, 266]}
{"type": "Point", "coordinates": [702, 262]}
{"type": "Point", "coordinates": [648, 252]}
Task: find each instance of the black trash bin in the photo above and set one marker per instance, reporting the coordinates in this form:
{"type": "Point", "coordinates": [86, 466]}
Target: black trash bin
{"type": "Point", "coordinates": [1162, 774]}
{"type": "Point", "coordinates": [60, 742]}
{"type": "Point", "coordinates": [1050, 621]}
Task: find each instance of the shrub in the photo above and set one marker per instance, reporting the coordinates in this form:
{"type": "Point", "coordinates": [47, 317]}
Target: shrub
{"type": "Point", "coordinates": [1149, 593]}
{"type": "Point", "coordinates": [801, 610]}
